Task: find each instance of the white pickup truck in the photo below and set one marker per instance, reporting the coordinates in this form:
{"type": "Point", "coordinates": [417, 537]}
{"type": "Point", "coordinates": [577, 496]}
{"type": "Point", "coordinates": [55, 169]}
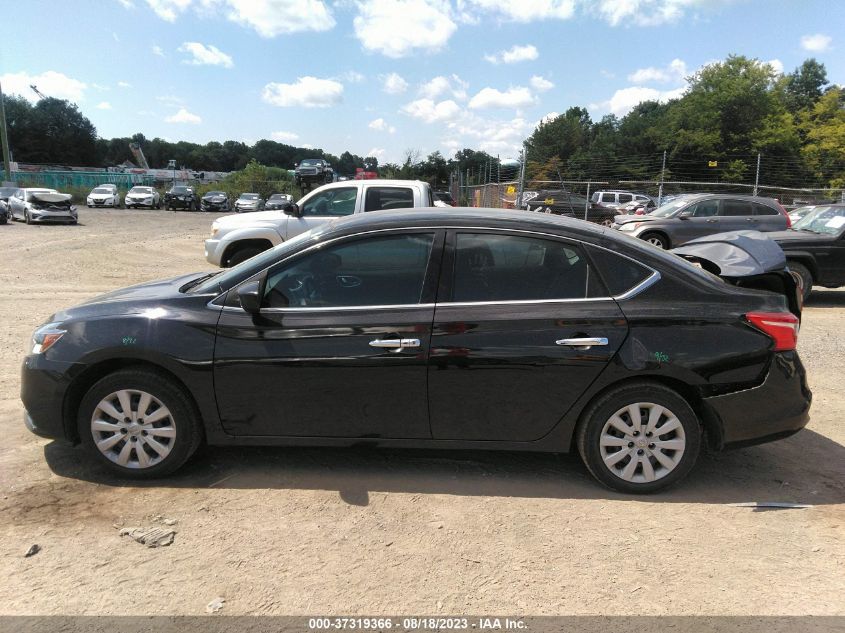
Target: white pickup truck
{"type": "Point", "coordinates": [235, 238]}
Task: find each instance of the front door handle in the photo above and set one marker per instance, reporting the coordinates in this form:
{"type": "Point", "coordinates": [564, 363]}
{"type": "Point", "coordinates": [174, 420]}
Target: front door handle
{"type": "Point", "coordinates": [395, 343]}
{"type": "Point", "coordinates": [582, 343]}
{"type": "Point", "coordinates": [712, 220]}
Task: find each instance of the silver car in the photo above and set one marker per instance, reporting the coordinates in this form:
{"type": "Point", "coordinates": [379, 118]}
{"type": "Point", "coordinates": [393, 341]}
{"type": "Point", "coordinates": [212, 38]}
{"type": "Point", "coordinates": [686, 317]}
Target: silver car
{"type": "Point", "coordinates": [248, 202]}
{"type": "Point", "coordinates": [34, 204]}
{"type": "Point", "coordinates": [689, 217]}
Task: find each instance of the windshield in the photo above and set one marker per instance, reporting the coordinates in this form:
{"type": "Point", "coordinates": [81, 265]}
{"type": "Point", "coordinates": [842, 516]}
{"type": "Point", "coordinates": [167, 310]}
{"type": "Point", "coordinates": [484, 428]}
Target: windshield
{"type": "Point", "coordinates": [669, 209]}
{"type": "Point", "coordinates": [102, 190]}
{"type": "Point", "coordinates": [279, 196]}
{"type": "Point", "coordinates": [826, 219]}
{"type": "Point", "coordinates": [141, 190]}
{"type": "Point", "coordinates": [179, 190]}
{"type": "Point", "coordinates": [249, 196]}
{"type": "Point", "coordinates": [5, 192]}
{"type": "Point", "coordinates": [215, 193]}
{"type": "Point", "coordinates": [226, 279]}
{"type": "Point", "coordinates": [310, 162]}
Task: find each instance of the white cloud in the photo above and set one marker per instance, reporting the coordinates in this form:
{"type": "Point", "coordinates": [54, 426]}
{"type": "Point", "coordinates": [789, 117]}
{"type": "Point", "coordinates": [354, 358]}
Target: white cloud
{"type": "Point", "coordinates": [396, 28]}
{"type": "Point", "coordinates": [304, 145]}
{"type": "Point", "coordinates": [103, 105]}
{"type": "Point", "coordinates": [393, 84]}
{"type": "Point", "coordinates": [674, 72]}
{"type": "Point", "coordinates": [284, 137]}
{"type": "Point", "coordinates": [776, 65]}
{"type": "Point", "coordinates": [157, 50]}
{"type": "Point", "coordinates": [351, 77]}
{"type": "Point", "coordinates": [376, 152]}
{"type": "Point", "coordinates": [453, 85]}
{"type": "Point", "coordinates": [270, 18]}
{"type": "Point", "coordinates": [205, 55]}
{"type": "Point", "coordinates": [816, 43]}
{"type": "Point", "coordinates": [493, 98]}
{"type": "Point", "coordinates": [541, 84]}
{"type": "Point", "coordinates": [381, 125]}
{"type": "Point", "coordinates": [171, 100]}
{"type": "Point", "coordinates": [624, 100]}
{"type": "Point", "coordinates": [513, 55]}
{"type": "Point", "coordinates": [126, 4]}
{"type": "Point", "coordinates": [307, 92]}
{"type": "Point", "coordinates": [429, 111]}
{"type": "Point", "coordinates": [124, 84]}
{"type": "Point", "coordinates": [51, 83]}
{"type": "Point", "coordinates": [520, 10]}
{"type": "Point", "coordinates": [183, 116]}
{"type": "Point", "coordinates": [169, 9]}
{"type": "Point", "coordinates": [647, 12]}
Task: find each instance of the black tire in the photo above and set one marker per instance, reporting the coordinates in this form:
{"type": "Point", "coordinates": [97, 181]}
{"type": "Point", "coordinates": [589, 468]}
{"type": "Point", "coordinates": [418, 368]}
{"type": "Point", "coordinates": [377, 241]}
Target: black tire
{"type": "Point", "coordinates": [26, 217]}
{"type": "Point", "coordinates": [806, 276]}
{"type": "Point", "coordinates": [185, 420]}
{"type": "Point", "coordinates": [3, 220]}
{"type": "Point", "coordinates": [658, 239]}
{"type": "Point", "coordinates": [243, 254]}
{"type": "Point", "coordinates": [598, 414]}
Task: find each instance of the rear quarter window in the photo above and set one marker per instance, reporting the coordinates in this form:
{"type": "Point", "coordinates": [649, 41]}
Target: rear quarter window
{"type": "Point", "coordinates": [762, 209]}
{"type": "Point", "coordinates": [619, 273]}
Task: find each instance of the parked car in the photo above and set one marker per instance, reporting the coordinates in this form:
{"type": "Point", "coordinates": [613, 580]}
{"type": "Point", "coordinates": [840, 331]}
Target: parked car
{"type": "Point", "coordinates": [215, 201]}
{"type": "Point", "coordinates": [445, 196]}
{"type": "Point", "coordinates": [566, 203]}
{"type": "Point", "coordinates": [141, 196]}
{"type": "Point", "coordinates": [37, 205]}
{"type": "Point", "coordinates": [313, 171]}
{"type": "Point", "coordinates": [104, 196]}
{"type": "Point", "coordinates": [689, 217]}
{"type": "Point", "coordinates": [580, 338]}
{"type": "Point", "coordinates": [617, 198]}
{"type": "Point", "coordinates": [815, 247]}
{"type": "Point", "coordinates": [248, 202]}
{"type": "Point", "coordinates": [799, 212]}
{"type": "Point", "coordinates": [640, 205]}
{"type": "Point", "coordinates": [236, 238]}
{"type": "Point", "coordinates": [278, 201]}
{"type": "Point", "coordinates": [5, 194]}
{"type": "Point", "coordinates": [181, 197]}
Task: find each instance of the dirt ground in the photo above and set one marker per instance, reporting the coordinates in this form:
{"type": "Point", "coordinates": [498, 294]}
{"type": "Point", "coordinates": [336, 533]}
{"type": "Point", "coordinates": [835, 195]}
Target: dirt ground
{"type": "Point", "coordinates": [317, 531]}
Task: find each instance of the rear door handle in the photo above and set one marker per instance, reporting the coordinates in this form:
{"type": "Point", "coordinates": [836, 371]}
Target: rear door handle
{"type": "Point", "coordinates": [582, 343]}
{"type": "Point", "coordinates": [712, 220]}
{"type": "Point", "coordinates": [395, 343]}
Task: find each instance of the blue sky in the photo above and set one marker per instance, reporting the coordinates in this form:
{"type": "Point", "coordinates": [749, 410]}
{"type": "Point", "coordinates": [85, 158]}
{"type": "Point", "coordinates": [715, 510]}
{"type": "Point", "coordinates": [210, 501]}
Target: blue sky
{"type": "Point", "coordinates": [379, 77]}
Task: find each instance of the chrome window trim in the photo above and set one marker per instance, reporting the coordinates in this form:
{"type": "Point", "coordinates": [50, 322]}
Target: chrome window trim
{"type": "Point", "coordinates": [632, 292]}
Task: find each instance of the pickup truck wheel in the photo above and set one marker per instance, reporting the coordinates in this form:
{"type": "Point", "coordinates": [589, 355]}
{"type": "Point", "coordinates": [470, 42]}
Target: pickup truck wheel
{"type": "Point", "coordinates": [243, 254]}
{"type": "Point", "coordinates": [806, 277]}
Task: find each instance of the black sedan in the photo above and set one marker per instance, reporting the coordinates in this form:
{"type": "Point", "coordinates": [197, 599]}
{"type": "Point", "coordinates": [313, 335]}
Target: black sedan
{"type": "Point", "coordinates": [815, 246]}
{"type": "Point", "coordinates": [278, 202]}
{"type": "Point", "coordinates": [466, 329]}
{"type": "Point", "coordinates": [181, 197]}
{"type": "Point", "coordinates": [215, 201]}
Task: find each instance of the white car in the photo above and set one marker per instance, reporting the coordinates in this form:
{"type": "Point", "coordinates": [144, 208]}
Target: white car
{"type": "Point", "coordinates": [37, 204]}
{"type": "Point", "coordinates": [236, 238]}
{"type": "Point", "coordinates": [142, 197]}
{"type": "Point", "coordinates": [104, 196]}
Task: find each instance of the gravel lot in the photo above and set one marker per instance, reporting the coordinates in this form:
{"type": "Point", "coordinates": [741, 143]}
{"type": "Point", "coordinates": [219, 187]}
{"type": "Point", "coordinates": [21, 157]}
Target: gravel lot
{"type": "Point", "coordinates": [316, 531]}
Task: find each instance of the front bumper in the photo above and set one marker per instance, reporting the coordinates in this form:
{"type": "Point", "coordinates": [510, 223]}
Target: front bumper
{"type": "Point", "coordinates": [214, 206]}
{"type": "Point", "coordinates": [52, 216]}
{"type": "Point", "coordinates": [214, 251]}
{"type": "Point", "coordinates": [44, 384]}
{"type": "Point", "coordinates": [777, 408]}
{"type": "Point", "coordinates": [179, 204]}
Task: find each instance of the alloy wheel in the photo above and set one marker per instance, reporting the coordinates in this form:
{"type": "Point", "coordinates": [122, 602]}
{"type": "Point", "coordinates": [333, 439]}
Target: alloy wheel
{"type": "Point", "coordinates": [133, 429]}
{"type": "Point", "coordinates": [642, 442]}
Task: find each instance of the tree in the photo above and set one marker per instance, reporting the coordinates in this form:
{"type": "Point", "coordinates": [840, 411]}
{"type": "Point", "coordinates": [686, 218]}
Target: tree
{"type": "Point", "coordinates": [803, 86]}
{"type": "Point", "coordinates": [51, 131]}
{"type": "Point", "coordinates": [824, 126]}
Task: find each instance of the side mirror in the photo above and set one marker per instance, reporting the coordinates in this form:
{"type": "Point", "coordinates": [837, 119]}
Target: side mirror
{"type": "Point", "coordinates": [291, 208]}
{"type": "Point", "coordinates": [249, 295]}
{"type": "Point", "coordinates": [684, 215]}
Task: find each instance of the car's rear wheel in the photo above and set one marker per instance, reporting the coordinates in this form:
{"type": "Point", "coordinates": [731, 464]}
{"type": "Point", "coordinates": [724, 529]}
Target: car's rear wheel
{"type": "Point", "coordinates": [639, 438]}
{"type": "Point", "coordinates": [806, 277]}
{"type": "Point", "coordinates": [657, 239]}
{"type": "Point", "coordinates": [139, 424]}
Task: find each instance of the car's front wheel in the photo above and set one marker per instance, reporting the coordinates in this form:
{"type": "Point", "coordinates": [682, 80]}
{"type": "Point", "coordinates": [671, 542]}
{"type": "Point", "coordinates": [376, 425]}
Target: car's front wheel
{"type": "Point", "coordinates": [139, 424]}
{"type": "Point", "coordinates": [639, 438]}
{"type": "Point", "coordinates": [659, 240]}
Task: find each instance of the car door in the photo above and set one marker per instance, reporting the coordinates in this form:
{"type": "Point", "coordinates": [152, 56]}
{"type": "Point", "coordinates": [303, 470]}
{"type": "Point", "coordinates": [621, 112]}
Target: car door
{"type": "Point", "coordinates": [340, 346]}
{"type": "Point", "coordinates": [320, 207]}
{"type": "Point", "coordinates": [521, 328]}
{"type": "Point", "coordinates": [767, 218]}
{"type": "Point", "coordinates": [737, 215]}
{"type": "Point", "coordinates": [698, 219]}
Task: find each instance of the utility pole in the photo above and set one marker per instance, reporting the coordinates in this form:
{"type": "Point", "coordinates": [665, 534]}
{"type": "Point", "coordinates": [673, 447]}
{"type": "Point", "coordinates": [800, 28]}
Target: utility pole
{"type": "Point", "coordinates": [521, 188]}
{"type": "Point", "coordinates": [587, 203]}
{"type": "Point", "coordinates": [4, 139]}
{"type": "Point", "coordinates": [662, 173]}
{"type": "Point", "coordinates": [498, 169]}
{"type": "Point", "coordinates": [757, 177]}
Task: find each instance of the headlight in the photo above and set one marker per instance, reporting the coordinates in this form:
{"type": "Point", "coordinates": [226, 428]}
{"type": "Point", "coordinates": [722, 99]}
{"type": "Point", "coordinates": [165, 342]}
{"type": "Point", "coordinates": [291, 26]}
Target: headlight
{"type": "Point", "coordinates": [46, 336]}
{"type": "Point", "coordinates": [629, 226]}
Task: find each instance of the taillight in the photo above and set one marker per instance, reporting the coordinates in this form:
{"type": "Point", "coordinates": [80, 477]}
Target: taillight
{"type": "Point", "coordinates": [782, 327]}
{"type": "Point", "coordinates": [786, 213]}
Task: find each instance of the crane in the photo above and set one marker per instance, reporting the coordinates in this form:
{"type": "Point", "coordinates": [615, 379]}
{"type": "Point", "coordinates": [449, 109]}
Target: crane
{"type": "Point", "coordinates": [35, 89]}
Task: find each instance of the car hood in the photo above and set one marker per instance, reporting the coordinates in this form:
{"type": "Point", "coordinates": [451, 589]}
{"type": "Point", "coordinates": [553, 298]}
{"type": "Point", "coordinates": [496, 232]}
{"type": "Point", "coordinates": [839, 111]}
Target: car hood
{"type": "Point", "coordinates": [796, 238]}
{"type": "Point", "coordinates": [52, 197]}
{"type": "Point", "coordinates": [626, 219]}
{"type": "Point", "coordinates": [132, 300]}
{"type": "Point", "coordinates": [269, 218]}
{"type": "Point", "coordinates": [736, 254]}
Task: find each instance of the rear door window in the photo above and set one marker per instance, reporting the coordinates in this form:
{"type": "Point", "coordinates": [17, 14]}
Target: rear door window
{"type": "Point", "coordinates": [493, 267]}
{"type": "Point", "coordinates": [625, 197]}
{"type": "Point", "coordinates": [383, 198]}
{"type": "Point", "coordinates": [733, 208]}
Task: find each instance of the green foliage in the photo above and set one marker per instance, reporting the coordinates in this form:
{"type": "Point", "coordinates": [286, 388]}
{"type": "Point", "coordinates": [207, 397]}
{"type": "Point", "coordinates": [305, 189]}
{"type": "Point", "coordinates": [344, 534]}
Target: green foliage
{"type": "Point", "coordinates": [254, 178]}
{"type": "Point", "coordinates": [51, 131]}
